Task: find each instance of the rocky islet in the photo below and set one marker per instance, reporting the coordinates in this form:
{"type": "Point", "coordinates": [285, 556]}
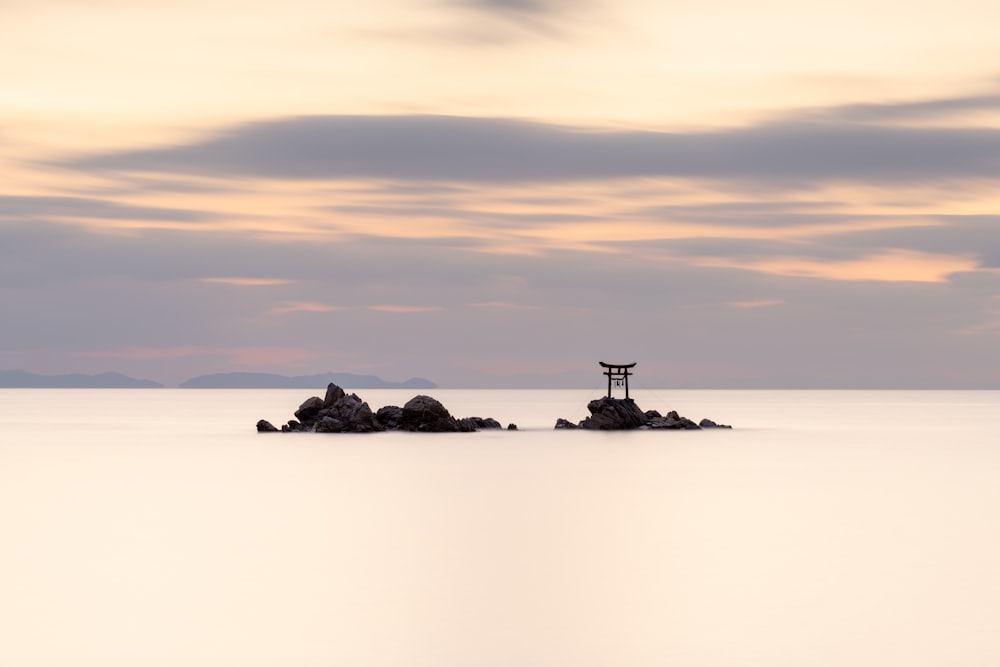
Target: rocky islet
{"type": "Point", "coordinates": [340, 412]}
{"type": "Point", "coordinates": [623, 414]}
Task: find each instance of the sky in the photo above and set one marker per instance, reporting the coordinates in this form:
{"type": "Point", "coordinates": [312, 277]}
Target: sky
{"type": "Point", "coordinates": [501, 193]}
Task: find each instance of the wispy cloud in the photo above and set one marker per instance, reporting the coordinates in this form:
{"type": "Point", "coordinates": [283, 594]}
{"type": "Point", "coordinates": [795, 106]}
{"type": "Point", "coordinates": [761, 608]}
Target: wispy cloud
{"type": "Point", "coordinates": [501, 21]}
{"type": "Point", "coordinates": [758, 303]}
{"type": "Point", "coordinates": [391, 308]}
{"type": "Point", "coordinates": [317, 307]}
{"type": "Point", "coordinates": [248, 282]}
{"type": "Point", "coordinates": [891, 265]}
{"type": "Point", "coordinates": [572, 297]}
{"type": "Point", "coordinates": [79, 208]}
{"type": "Point", "coordinates": [992, 327]}
{"type": "Point", "coordinates": [921, 110]}
{"type": "Point", "coordinates": [484, 150]}
{"type": "Point", "coordinates": [514, 6]}
{"type": "Point", "coordinates": [304, 307]}
{"type": "Point", "coordinates": [504, 305]}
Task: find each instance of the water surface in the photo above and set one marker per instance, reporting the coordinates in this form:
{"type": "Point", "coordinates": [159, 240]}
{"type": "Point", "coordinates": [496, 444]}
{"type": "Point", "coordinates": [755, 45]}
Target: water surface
{"type": "Point", "coordinates": [155, 527]}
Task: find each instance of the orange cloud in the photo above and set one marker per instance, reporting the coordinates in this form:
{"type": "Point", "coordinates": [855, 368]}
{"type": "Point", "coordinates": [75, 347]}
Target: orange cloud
{"type": "Point", "coordinates": [305, 307]}
{"type": "Point", "coordinates": [316, 307]}
{"type": "Point", "coordinates": [388, 308]}
{"type": "Point", "coordinates": [992, 327]}
{"type": "Point", "coordinates": [892, 266]}
{"type": "Point", "coordinates": [247, 282]}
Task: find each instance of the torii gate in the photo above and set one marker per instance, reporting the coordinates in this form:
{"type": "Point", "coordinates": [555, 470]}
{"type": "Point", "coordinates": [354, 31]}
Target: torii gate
{"type": "Point", "coordinates": [619, 373]}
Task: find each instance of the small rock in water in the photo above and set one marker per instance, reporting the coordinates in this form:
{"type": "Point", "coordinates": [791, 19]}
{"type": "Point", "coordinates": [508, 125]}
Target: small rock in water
{"type": "Point", "coordinates": [708, 423]}
{"type": "Point", "coordinates": [264, 426]}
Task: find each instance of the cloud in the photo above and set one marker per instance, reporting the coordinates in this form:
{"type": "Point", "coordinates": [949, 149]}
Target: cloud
{"type": "Point", "coordinates": [503, 305]}
{"type": "Point", "coordinates": [41, 254]}
{"type": "Point", "coordinates": [140, 300]}
{"type": "Point", "coordinates": [758, 214]}
{"type": "Point", "coordinates": [712, 262]}
{"type": "Point", "coordinates": [247, 282]}
{"type": "Point", "coordinates": [304, 307]}
{"type": "Point", "coordinates": [487, 150]}
{"type": "Point", "coordinates": [316, 307]}
{"type": "Point", "coordinates": [972, 235]}
{"type": "Point", "coordinates": [503, 21]}
{"type": "Point", "coordinates": [464, 214]}
{"type": "Point", "coordinates": [395, 308]}
{"type": "Point", "coordinates": [991, 327]}
{"type": "Point", "coordinates": [54, 207]}
{"type": "Point", "coordinates": [921, 110]}
{"type": "Point", "coordinates": [518, 6]}
{"type": "Point", "coordinates": [892, 265]}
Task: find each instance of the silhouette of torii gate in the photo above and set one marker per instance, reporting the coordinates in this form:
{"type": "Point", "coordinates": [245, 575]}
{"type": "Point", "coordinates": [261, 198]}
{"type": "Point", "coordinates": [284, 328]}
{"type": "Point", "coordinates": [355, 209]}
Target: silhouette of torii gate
{"type": "Point", "coordinates": [619, 373]}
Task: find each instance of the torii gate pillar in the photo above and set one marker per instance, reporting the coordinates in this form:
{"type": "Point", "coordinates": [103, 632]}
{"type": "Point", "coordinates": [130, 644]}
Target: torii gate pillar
{"type": "Point", "coordinates": [619, 373]}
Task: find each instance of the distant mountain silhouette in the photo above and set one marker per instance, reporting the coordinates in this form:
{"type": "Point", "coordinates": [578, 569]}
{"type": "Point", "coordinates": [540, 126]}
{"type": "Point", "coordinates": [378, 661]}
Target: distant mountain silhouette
{"type": "Point", "coordinates": [26, 380]}
{"type": "Point", "coordinates": [272, 381]}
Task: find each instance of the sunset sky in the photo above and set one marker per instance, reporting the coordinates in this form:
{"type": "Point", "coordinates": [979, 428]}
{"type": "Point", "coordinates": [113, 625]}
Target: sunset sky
{"type": "Point", "coordinates": [500, 193]}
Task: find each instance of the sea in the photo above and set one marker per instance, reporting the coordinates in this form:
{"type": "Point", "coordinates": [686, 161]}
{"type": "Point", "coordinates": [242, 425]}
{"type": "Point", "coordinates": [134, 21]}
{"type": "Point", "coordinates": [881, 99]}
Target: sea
{"type": "Point", "coordinates": [157, 528]}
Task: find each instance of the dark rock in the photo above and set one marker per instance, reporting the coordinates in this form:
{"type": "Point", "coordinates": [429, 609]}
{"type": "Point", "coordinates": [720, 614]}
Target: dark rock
{"type": "Point", "coordinates": [480, 423]}
{"type": "Point", "coordinates": [309, 409]}
{"type": "Point", "coordinates": [333, 394]}
{"type": "Point", "coordinates": [663, 423]}
{"type": "Point", "coordinates": [390, 416]}
{"type": "Point", "coordinates": [688, 424]}
{"type": "Point", "coordinates": [708, 423]}
{"type": "Point", "coordinates": [468, 424]}
{"type": "Point", "coordinates": [340, 412]}
{"type": "Point", "coordinates": [511, 427]}
{"type": "Point", "coordinates": [425, 414]}
{"type": "Point", "coordinates": [264, 426]}
{"type": "Point", "coordinates": [329, 425]}
{"type": "Point", "coordinates": [614, 414]}
{"type": "Point", "coordinates": [346, 413]}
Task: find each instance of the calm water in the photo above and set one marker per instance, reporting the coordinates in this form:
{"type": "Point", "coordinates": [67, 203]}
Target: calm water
{"type": "Point", "coordinates": [157, 528]}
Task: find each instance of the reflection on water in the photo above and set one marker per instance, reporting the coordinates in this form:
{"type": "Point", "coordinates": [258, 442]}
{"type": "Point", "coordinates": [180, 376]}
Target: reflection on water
{"type": "Point", "coordinates": [829, 528]}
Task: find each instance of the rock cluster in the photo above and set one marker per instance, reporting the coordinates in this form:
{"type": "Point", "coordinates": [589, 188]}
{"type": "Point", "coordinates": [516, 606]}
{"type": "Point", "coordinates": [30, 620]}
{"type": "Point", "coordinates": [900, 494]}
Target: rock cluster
{"type": "Point", "coordinates": [340, 412]}
{"type": "Point", "coordinates": [620, 414]}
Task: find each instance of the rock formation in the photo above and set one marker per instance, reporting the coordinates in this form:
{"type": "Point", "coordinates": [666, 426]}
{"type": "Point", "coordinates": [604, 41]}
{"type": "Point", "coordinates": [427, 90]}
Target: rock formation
{"type": "Point", "coordinates": [340, 412]}
{"type": "Point", "coordinates": [620, 414]}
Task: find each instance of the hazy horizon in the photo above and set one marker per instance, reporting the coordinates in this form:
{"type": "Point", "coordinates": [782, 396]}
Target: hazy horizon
{"type": "Point", "coordinates": [562, 381]}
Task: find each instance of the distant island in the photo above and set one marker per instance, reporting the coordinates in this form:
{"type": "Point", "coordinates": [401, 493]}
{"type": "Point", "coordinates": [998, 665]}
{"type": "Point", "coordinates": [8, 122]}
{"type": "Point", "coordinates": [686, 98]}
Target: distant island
{"type": "Point", "coordinates": [272, 381]}
{"type": "Point", "coordinates": [26, 380]}
{"type": "Point", "coordinates": [19, 379]}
